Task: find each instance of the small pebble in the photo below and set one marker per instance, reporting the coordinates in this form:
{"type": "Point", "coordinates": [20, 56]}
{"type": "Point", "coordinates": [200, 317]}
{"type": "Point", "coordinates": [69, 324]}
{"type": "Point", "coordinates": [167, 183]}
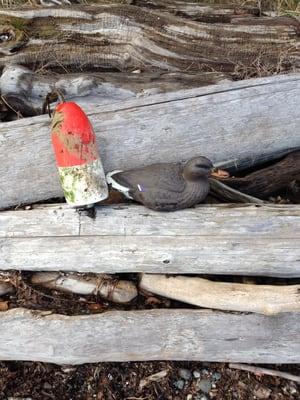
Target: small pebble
{"type": "Point", "coordinates": [216, 376]}
{"type": "Point", "coordinates": [201, 397]}
{"type": "Point", "coordinates": [196, 374]}
{"type": "Point", "coordinates": [185, 374]}
{"type": "Point", "coordinates": [179, 384]}
{"type": "Point", "coordinates": [204, 371]}
{"type": "Point", "coordinates": [189, 397]}
{"type": "Point", "coordinates": [204, 385]}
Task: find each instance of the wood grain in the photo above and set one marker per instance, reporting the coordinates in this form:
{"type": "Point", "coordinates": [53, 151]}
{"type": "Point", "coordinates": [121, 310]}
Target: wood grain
{"type": "Point", "coordinates": [240, 240]}
{"type": "Point", "coordinates": [124, 37]}
{"type": "Point", "coordinates": [150, 335]}
{"type": "Point", "coordinates": [237, 123]}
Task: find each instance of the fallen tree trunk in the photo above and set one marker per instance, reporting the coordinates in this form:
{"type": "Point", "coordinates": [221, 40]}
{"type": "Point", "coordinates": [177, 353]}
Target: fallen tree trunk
{"type": "Point", "coordinates": [126, 37]}
{"type": "Point", "coordinates": [263, 299]}
{"type": "Point", "coordinates": [149, 335]}
{"type": "Point", "coordinates": [237, 124]}
{"type": "Point", "coordinates": [23, 91]}
{"type": "Point", "coordinates": [223, 239]}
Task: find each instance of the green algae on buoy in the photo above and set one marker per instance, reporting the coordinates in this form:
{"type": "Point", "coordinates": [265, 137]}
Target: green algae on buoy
{"type": "Point", "coordinates": [78, 161]}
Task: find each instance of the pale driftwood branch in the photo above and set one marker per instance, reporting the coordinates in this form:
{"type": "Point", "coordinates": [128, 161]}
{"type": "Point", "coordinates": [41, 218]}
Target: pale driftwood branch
{"type": "Point", "coordinates": [265, 371]}
{"type": "Point", "coordinates": [118, 291]}
{"type": "Point", "coordinates": [26, 91]}
{"type": "Point", "coordinates": [127, 37]}
{"type": "Point", "coordinates": [5, 288]}
{"type": "Point", "coordinates": [238, 123]}
{"type": "Point", "coordinates": [150, 335]}
{"type": "Point", "coordinates": [263, 299]}
{"type": "Point", "coordinates": [223, 239]}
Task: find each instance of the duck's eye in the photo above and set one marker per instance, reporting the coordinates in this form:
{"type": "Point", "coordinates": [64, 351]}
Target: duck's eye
{"type": "Point", "coordinates": [5, 37]}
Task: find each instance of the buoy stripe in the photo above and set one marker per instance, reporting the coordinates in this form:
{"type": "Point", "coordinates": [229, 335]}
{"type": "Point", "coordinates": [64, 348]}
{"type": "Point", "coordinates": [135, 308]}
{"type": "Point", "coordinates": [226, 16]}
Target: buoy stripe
{"type": "Point", "coordinates": [83, 184]}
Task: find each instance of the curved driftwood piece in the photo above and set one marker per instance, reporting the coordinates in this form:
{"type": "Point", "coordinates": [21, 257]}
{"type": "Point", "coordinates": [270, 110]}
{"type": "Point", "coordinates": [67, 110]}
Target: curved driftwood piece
{"type": "Point", "coordinates": [267, 181]}
{"type": "Point", "coordinates": [116, 290]}
{"type": "Point", "coordinates": [237, 123]}
{"type": "Point", "coordinates": [262, 299]}
{"type": "Point", "coordinates": [126, 37]}
{"type": "Point", "coordinates": [222, 239]}
{"type": "Point", "coordinates": [25, 91]}
{"type": "Point", "coordinates": [149, 335]}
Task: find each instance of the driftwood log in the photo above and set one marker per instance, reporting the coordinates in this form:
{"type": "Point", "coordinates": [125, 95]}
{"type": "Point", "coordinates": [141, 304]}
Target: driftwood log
{"type": "Point", "coordinates": [23, 92]}
{"type": "Point", "coordinates": [263, 299]}
{"type": "Point", "coordinates": [150, 335]}
{"type": "Point", "coordinates": [116, 290]}
{"type": "Point", "coordinates": [237, 124]}
{"type": "Point", "coordinates": [125, 37]}
{"type": "Point", "coordinates": [222, 239]}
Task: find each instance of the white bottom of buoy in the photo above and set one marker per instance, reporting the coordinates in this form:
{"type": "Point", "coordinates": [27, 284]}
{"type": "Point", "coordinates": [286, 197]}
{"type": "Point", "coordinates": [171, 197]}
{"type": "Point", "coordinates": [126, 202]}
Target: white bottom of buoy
{"type": "Point", "coordinates": [83, 185]}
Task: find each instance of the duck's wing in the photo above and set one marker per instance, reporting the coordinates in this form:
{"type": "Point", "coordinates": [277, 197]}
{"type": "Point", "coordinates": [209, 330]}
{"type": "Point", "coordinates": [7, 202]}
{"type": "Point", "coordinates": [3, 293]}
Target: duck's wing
{"type": "Point", "coordinates": [165, 177]}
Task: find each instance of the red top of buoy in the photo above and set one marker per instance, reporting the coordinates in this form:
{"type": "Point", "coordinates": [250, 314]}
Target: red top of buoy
{"type": "Point", "coordinates": [73, 138]}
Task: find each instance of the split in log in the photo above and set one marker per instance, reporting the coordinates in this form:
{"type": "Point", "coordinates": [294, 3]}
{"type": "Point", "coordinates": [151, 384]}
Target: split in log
{"type": "Point", "coordinates": [24, 91]}
{"type": "Point", "coordinates": [263, 299]}
{"type": "Point", "coordinates": [115, 290]}
{"type": "Point", "coordinates": [238, 123]}
{"type": "Point", "coordinates": [125, 37]}
{"type": "Point", "coordinates": [222, 239]}
{"type": "Point", "coordinates": [270, 180]}
{"type": "Point", "coordinates": [150, 335]}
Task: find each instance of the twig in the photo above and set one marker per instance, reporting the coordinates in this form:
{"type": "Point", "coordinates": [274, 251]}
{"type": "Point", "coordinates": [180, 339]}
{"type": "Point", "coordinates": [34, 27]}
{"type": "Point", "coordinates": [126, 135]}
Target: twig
{"type": "Point", "coordinates": [265, 371]}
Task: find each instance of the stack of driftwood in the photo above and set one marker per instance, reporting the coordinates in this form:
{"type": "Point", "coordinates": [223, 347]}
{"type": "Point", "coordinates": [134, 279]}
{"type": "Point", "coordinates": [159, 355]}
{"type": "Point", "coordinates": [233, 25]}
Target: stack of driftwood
{"type": "Point", "coordinates": [160, 81]}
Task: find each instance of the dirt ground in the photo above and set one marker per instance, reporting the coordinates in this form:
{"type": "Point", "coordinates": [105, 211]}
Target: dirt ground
{"type": "Point", "coordinates": [123, 381]}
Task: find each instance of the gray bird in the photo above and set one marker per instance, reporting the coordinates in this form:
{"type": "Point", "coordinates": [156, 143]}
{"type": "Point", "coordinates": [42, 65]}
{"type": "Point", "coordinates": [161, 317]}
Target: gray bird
{"type": "Point", "coordinates": [165, 186]}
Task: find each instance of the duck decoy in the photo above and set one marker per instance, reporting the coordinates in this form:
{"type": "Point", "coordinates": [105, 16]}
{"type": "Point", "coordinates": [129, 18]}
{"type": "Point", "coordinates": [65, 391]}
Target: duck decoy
{"type": "Point", "coordinates": [165, 186]}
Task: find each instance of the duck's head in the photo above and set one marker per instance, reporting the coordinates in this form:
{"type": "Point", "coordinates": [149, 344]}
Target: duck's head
{"type": "Point", "coordinates": [197, 168]}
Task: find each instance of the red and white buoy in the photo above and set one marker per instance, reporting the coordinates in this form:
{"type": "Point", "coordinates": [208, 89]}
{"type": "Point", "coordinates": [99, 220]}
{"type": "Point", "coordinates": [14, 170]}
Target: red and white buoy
{"type": "Point", "coordinates": [79, 165]}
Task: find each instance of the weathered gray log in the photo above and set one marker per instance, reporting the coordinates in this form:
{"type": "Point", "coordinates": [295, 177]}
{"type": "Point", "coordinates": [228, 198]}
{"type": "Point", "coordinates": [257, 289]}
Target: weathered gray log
{"type": "Point", "coordinates": [125, 37]}
{"type": "Point", "coordinates": [237, 123]}
{"type": "Point", "coordinates": [25, 91]}
{"type": "Point", "coordinates": [263, 299]}
{"type": "Point", "coordinates": [222, 239]}
{"type": "Point", "coordinates": [149, 335]}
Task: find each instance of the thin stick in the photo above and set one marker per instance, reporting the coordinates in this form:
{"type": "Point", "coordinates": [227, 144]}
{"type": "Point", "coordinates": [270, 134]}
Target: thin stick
{"type": "Point", "coordinates": [265, 371]}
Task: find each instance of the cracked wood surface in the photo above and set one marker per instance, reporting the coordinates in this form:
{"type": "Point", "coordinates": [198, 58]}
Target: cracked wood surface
{"type": "Point", "coordinates": [239, 124]}
{"type": "Point", "coordinates": [125, 37]}
{"type": "Point", "coordinates": [222, 239]}
{"type": "Point", "coordinates": [150, 335]}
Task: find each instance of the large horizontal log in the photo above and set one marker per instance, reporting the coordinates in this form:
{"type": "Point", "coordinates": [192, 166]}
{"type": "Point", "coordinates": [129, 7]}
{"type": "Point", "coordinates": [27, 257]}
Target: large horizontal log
{"type": "Point", "coordinates": [237, 123]}
{"type": "Point", "coordinates": [149, 335]}
{"type": "Point", "coordinates": [24, 91]}
{"type": "Point", "coordinates": [126, 36]}
{"type": "Point", "coordinates": [222, 239]}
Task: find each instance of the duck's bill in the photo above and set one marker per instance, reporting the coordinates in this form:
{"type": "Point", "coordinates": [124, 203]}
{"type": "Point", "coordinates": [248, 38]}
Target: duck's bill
{"type": "Point", "coordinates": [219, 173]}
